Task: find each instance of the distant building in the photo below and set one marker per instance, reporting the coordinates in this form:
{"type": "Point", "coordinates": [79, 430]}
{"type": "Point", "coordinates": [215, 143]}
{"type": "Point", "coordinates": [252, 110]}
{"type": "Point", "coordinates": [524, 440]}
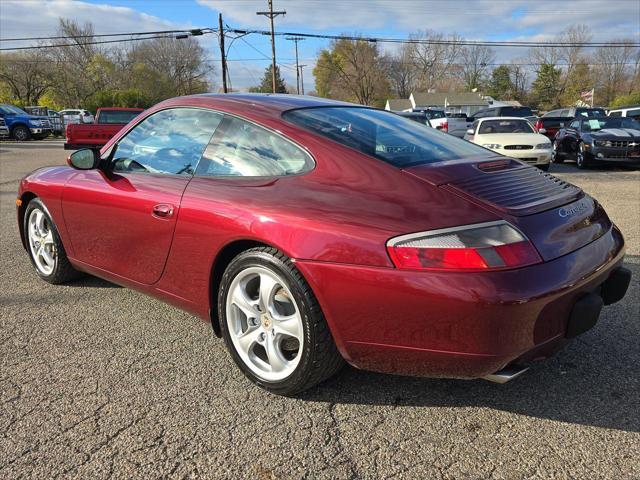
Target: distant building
{"type": "Point", "coordinates": [399, 105]}
{"type": "Point", "coordinates": [464, 102]}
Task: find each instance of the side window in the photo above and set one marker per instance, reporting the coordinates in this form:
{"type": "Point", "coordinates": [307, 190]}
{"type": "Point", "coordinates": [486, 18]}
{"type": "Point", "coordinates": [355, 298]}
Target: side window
{"type": "Point", "coordinates": [240, 148]}
{"type": "Point", "coordinates": [169, 142]}
{"type": "Point", "coordinates": [575, 125]}
{"type": "Point", "coordinates": [474, 126]}
{"type": "Point", "coordinates": [634, 113]}
{"type": "Point", "coordinates": [616, 114]}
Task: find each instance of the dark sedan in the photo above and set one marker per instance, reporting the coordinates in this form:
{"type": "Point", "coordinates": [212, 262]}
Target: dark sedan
{"type": "Point", "coordinates": [596, 140]}
{"type": "Point", "coordinates": [310, 232]}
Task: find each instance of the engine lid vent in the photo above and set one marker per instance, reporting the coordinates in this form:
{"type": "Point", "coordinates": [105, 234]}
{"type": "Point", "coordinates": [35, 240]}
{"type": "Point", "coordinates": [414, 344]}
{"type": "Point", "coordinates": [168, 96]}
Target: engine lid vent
{"type": "Point", "coordinates": [518, 191]}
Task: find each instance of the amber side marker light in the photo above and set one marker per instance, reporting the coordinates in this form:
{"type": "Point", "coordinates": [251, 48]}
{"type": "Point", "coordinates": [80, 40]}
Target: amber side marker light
{"type": "Point", "coordinates": [480, 247]}
{"type": "Point", "coordinates": [18, 202]}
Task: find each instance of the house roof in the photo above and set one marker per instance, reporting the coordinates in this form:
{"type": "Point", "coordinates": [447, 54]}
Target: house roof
{"type": "Point", "coordinates": [398, 104]}
{"type": "Point", "coordinates": [420, 99]}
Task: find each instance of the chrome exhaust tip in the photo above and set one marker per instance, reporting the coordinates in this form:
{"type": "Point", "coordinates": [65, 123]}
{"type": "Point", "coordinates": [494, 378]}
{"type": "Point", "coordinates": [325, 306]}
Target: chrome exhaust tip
{"type": "Point", "coordinates": [507, 374]}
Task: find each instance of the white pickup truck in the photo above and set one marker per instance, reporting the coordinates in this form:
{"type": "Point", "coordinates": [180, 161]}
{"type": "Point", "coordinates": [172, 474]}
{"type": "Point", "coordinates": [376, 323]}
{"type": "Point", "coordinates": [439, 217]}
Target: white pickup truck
{"type": "Point", "coordinates": [453, 123]}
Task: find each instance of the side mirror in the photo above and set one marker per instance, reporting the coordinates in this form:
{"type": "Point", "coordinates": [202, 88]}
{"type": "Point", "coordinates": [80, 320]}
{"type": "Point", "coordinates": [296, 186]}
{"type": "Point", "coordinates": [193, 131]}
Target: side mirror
{"type": "Point", "coordinates": [85, 159]}
{"type": "Point", "coordinates": [470, 131]}
{"type": "Point", "coordinates": [542, 130]}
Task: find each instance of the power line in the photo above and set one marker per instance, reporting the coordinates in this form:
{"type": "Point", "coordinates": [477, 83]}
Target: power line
{"type": "Point", "coordinates": [102, 42]}
{"type": "Point", "coordinates": [194, 31]}
{"type": "Point", "coordinates": [487, 43]}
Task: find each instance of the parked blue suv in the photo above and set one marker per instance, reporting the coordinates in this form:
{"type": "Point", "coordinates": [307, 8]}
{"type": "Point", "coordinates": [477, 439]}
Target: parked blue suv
{"type": "Point", "coordinates": [23, 126]}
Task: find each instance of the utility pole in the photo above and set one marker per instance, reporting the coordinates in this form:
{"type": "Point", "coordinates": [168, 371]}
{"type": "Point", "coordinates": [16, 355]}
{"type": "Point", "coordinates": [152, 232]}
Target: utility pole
{"type": "Point", "coordinates": [223, 56]}
{"type": "Point", "coordinates": [301, 78]}
{"type": "Point", "coordinates": [296, 40]}
{"type": "Point", "coordinates": [271, 14]}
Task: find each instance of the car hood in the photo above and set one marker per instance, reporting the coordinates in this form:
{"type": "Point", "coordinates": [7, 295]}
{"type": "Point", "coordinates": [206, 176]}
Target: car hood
{"type": "Point", "coordinates": [510, 138]}
{"type": "Point", "coordinates": [616, 134]}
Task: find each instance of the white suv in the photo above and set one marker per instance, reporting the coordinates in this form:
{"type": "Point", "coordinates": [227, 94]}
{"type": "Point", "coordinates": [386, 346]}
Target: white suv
{"type": "Point", "coordinates": [76, 116]}
{"type": "Point", "coordinates": [631, 112]}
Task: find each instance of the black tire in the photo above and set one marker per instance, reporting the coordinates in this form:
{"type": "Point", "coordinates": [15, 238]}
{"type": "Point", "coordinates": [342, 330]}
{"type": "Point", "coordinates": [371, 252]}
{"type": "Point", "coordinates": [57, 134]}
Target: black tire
{"type": "Point", "coordinates": [63, 271]}
{"type": "Point", "coordinates": [581, 157]}
{"type": "Point", "coordinates": [21, 133]}
{"type": "Point", "coordinates": [544, 167]}
{"type": "Point", "coordinates": [320, 358]}
{"type": "Point", "coordinates": [556, 157]}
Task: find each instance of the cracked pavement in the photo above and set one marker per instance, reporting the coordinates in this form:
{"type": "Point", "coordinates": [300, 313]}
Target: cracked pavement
{"type": "Point", "coordinates": [98, 381]}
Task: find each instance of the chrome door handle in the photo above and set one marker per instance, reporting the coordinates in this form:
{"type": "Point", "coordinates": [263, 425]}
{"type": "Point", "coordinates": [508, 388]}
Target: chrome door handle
{"type": "Point", "coordinates": [163, 210]}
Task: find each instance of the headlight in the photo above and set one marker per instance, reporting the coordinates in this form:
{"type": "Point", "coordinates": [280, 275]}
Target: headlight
{"type": "Point", "coordinates": [602, 143]}
{"type": "Point", "coordinates": [35, 123]}
{"type": "Point", "coordinates": [492, 146]}
{"type": "Point", "coordinates": [543, 146]}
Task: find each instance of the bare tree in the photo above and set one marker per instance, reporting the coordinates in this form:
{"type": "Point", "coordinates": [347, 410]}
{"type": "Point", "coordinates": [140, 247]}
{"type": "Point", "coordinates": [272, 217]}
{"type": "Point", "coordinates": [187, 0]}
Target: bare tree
{"type": "Point", "coordinates": [617, 70]}
{"type": "Point", "coordinates": [435, 61]}
{"type": "Point", "coordinates": [401, 72]}
{"type": "Point", "coordinates": [475, 61]}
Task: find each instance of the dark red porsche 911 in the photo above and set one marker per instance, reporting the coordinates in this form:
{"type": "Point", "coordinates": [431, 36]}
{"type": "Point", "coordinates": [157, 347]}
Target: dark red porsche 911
{"type": "Point", "coordinates": [310, 232]}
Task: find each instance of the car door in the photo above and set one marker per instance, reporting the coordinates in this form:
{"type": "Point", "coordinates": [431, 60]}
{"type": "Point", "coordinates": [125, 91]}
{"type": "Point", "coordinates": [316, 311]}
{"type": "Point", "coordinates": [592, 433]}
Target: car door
{"type": "Point", "coordinates": [121, 217]}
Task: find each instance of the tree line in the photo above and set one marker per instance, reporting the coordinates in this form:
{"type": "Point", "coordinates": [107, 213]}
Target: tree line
{"type": "Point", "coordinates": [137, 74]}
{"type": "Point", "coordinates": [544, 78]}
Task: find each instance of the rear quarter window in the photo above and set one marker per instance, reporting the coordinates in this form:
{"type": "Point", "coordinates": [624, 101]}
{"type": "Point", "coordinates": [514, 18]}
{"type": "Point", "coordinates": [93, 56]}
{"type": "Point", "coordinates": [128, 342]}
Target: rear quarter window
{"type": "Point", "coordinates": [383, 135]}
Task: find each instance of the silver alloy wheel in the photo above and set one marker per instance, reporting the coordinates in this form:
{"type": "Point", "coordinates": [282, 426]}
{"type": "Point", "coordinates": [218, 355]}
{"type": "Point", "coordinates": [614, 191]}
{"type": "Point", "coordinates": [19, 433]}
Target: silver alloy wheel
{"type": "Point", "coordinates": [265, 324]}
{"type": "Point", "coordinates": [21, 134]}
{"type": "Point", "coordinates": [41, 244]}
{"type": "Point", "coordinates": [580, 155]}
{"type": "Point", "coordinates": [554, 152]}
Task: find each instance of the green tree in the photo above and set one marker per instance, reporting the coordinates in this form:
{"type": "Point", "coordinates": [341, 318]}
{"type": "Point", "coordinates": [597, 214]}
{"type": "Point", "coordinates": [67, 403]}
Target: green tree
{"type": "Point", "coordinates": [546, 86]}
{"type": "Point", "coordinates": [578, 80]}
{"type": "Point", "coordinates": [266, 85]}
{"type": "Point", "coordinates": [500, 86]}
{"type": "Point", "coordinates": [632, 99]}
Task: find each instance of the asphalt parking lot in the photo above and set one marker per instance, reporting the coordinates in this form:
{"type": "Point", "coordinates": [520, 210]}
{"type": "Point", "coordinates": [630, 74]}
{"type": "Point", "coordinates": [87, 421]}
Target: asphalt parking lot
{"type": "Point", "coordinates": [98, 381]}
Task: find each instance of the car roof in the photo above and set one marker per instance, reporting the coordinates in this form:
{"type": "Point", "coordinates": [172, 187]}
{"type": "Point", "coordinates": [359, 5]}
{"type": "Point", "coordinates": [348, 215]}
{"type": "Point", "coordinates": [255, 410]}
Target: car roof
{"type": "Point", "coordinates": [502, 118]}
{"type": "Point", "coordinates": [274, 101]}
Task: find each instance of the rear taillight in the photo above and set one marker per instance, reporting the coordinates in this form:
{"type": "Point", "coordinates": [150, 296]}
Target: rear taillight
{"type": "Point", "coordinates": [539, 125]}
{"type": "Point", "coordinates": [480, 247]}
{"type": "Point", "coordinates": [445, 127]}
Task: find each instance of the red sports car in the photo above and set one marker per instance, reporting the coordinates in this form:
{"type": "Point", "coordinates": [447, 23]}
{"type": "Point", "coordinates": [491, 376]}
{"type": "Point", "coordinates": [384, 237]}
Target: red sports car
{"type": "Point", "coordinates": [310, 232]}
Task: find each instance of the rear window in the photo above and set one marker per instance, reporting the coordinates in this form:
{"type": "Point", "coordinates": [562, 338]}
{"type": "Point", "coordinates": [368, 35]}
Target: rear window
{"type": "Point", "coordinates": [383, 135]}
{"type": "Point", "coordinates": [505, 126]}
{"type": "Point", "coordinates": [434, 114]}
{"type": "Point", "coordinates": [554, 122]}
{"type": "Point", "coordinates": [117, 116]}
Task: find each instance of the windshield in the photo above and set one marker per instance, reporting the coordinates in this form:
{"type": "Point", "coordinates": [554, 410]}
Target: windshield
{"type": "Point", "coordinates": [505, 126]}
{"type": "Point", "coordinates": [434, 114]}
{"type": "Point", "coordinates": [595, 124]}
{"type": "Point", "coordinates": [384, 135]}
{"type": "Point", "coordinates": [11, 109]}
{"type": "Point", "coordinates": [117, 116]}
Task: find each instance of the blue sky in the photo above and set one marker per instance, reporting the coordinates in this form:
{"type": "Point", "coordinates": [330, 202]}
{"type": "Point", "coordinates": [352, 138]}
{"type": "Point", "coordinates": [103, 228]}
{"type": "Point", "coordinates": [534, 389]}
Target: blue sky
{"type": "Point", "coordinates": [471, 19]}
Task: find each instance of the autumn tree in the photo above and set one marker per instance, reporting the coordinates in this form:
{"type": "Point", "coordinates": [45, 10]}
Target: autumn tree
{"type": "Point", "coordinates": [435, 56]}
{"type": "Point", "coordinates": [401, 72]}
{"type": "Point", "coordinates": [26, 76]}
{"type": "Point", "coordinates": [351, 70]}
{"type": "Point", "coordinates": [616, 69]}
{"type": "Point", "coordinates": [266, 84]}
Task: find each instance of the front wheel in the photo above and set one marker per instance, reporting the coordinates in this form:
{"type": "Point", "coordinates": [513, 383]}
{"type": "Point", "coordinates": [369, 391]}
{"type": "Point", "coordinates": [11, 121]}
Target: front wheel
{"type": "Point", "coordinates": [21, 133]}
{"type": "Point", "coordinates": [581, 157]}
{"type": "Point", "coordinates": [556, 157]}
{"type": "Point", "coordinates": [272, 323]}
{"type": "Point", "coordinates": [45, 248]}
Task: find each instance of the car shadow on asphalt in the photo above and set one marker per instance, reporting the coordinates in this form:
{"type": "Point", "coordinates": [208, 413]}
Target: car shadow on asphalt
{"type": "Point", "coordinates": [593, 381]}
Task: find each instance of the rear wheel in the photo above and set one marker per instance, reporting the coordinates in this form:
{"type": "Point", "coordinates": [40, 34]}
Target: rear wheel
{"type": "Point", "coordinates": [45, 248]}
{"type": "Point", "coordinates": [21, 133]}
{"type": "Point", "coordinates": [272, 323]}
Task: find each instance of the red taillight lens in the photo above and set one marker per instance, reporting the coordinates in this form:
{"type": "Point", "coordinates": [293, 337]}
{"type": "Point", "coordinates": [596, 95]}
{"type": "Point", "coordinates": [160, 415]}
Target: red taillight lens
{"type": "Point", "coordinates": [489, 246]}
{"type": "Point", "coordinates": [445, 127]}
{"type": "Point", "coordinates": [539, 125]}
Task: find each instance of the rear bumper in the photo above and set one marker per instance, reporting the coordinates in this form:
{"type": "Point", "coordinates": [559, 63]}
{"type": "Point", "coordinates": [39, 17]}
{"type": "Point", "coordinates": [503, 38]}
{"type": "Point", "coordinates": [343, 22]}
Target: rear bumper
{"type": "Point", "coordinates": [453, 324]}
